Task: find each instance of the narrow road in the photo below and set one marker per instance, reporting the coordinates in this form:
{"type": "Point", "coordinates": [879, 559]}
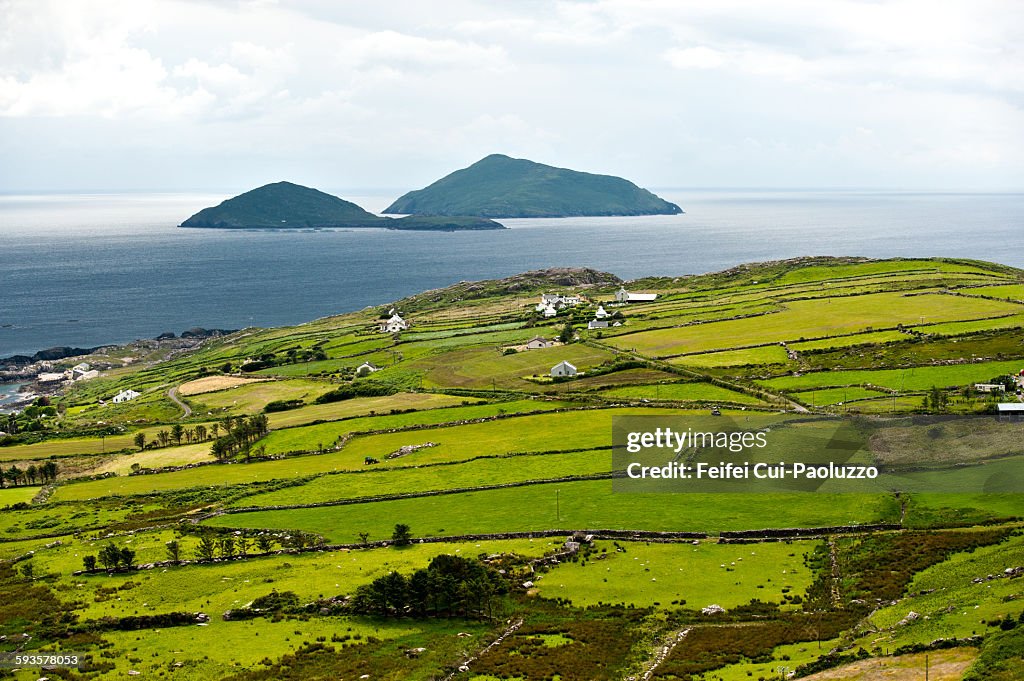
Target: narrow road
{"type": "Point", "coordinates": [173, 395]}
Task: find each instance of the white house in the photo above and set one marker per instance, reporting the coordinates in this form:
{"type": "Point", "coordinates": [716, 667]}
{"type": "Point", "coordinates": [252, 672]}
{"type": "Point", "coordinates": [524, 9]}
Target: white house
{"type": "Point", "coordinates": [989, 387]}
{"type": "Point", "coordinates": [125, 396]}
{"type": "Point", "coordinates": [597, 324]}
{"type": "Point", "coordinates": [624, 296]}
{"type": "Point", "coordinates": [86, 375]}
{"type": "Point", "coordinates": [538, 343]}
{"type": "Point", "coordinates": [80, 369]}
{"type": "Point", "coordinates": [366, 368]}
{"type": "Point", "coordinates": [563, 369]}
{"type": "Point", "coordinates": [601, 313]}
{"type": "Point", "coordinates": [394, 324]}
{"type": "Point", "coordinates": [557, 301]}
{"type": "Point", "coordinates": [550, 311]}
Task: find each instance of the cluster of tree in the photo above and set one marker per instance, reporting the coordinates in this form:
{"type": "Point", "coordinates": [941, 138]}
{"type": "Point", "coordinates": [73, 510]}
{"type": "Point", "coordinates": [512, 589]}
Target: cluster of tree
{"type": "Point", "coordinates": [935, 400]}
{"type": "Point", "coordinates": [282, 405]}
{"type": "Point", "coordinates": [212, 545]}
{"type": "Point", "coordinates": [176, 434]}
{"type": "Point", "coordinates": [31, 419]}
{"type": "Point", "coordinates": [347, 392]}
{"type": "Point", "coordinates": [289, 356]}
{"type": "Point", "coordinates": [450, 586]}
{"type": "Point", "coordinates": [111, 557]}
{"type": "Point", "coordinates": [240, 434]}
{"type": "Point", "coordinates": [14, 476]}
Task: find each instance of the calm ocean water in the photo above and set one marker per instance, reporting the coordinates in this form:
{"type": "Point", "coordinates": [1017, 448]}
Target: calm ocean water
{"type": "Point", "coordinates": [89, 270]}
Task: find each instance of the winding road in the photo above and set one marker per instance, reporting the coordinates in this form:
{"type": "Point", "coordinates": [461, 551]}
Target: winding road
{"type": "Point", "coordinates": [173, 395]}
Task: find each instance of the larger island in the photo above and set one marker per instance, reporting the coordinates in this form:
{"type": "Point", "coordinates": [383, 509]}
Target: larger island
{"type": "Point", "coordinates": [498, 186]}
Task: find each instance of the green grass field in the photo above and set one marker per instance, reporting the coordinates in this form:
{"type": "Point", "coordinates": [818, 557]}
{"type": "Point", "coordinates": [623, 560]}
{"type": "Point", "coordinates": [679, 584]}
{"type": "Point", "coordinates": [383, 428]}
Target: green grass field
{"type": "Point", "coordinates": [904, 380]}
{"type": "Point", "coordinates": [17, 495]}
{"type": "Point", "coordinates": [648, 575]}
{"type": "Point", "coordinates": [814, 319]}
{"type": "Point", "coordinates": [683, 392]}
{"type": "Point", "coordinates": [574, 505]}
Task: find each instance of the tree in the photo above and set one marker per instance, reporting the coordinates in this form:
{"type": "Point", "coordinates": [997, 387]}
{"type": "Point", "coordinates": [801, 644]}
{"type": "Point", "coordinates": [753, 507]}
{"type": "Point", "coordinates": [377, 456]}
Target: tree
{"type": "Point", "coordinates": [89, 562]}
{"type": "Point", "coordinates": [29, 570]}
{"type": "Point", "coordinates": [364, 538]}
{"type": "Point", "coordinates": [174, 551]}
{"type": "Point", "coordinates": [127, 557]}
{"type": "Point", "coordinates": [164, 437]}
{"type": "Point", "coordinates": [206, 547]}
{"type": "Point", "coordinates": [402, 535]}
{"type": "Point", "coordinates": [227, 547]}
{"type": "Point", "coordinates": [140, 440]}
{"type": "Point", "coordinates": [566, 335]}
{"type": "Point", "coordinates": [243, 545]}
{"type": "Point", "coordinates": [264, 543]}
{"type": "Point", "coordinates": [176, 432]}
{"type": "Point", "coordinates": [110, 556]}
{"type": "Point", "coordinates": [214, 430]}
{"type": "Point", "coordinates": [201, 433]}
{"type": "Point", "coordinates": [31, 473]}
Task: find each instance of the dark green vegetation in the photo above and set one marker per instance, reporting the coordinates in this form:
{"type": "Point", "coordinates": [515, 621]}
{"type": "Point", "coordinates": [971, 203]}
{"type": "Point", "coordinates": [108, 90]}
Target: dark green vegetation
{"type": "Point", "coordinates": [356, 522]}
{"type": "Point", "coordinates": [501, 187]}
{"type": "Point", "coordinates": [284, 205]}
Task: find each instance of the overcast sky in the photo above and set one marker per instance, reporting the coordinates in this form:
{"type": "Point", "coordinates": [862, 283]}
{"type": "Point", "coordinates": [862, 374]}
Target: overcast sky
{"type": "Point", "coordinates": [190, 95]}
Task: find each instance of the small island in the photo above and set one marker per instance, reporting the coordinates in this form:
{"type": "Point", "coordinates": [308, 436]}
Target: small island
{"type": "Point", "coordinates": [285, 205]}
{"type": "Point", "coordinates": [499, 186]}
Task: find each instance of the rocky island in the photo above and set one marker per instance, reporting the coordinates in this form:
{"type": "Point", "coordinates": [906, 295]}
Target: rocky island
{"type": "Point", "coordinates": [499, 186]}
{"type": "Point", "coordinates": [285, 205]}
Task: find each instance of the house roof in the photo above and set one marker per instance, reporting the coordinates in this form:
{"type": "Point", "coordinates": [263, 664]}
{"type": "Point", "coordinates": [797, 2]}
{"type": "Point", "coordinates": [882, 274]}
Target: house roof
{"type": "Point", "coordinates": [1014, 407]}
{"type": "Point", "coordinates": [565, 364]}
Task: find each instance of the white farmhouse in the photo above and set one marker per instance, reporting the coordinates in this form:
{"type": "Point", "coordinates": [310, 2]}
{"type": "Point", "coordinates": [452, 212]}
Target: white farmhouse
{"type": "Point", "coordinates": [624, 296]}
{"type": "Point", "coordinates": [601, 313]}
{"type": "Point", "coordinates": [125, 396]}
{"type": "Point", "coordinates": [365, 369]}
{"type": "Point", "coordinates": [557, 301]}
{"type": "Point", "coordinates": [550, 311]}
{"type": "Point", "coordinates": [989, 387]}
{"type": "Point", "coordinates": [394, 324]}
{"type": "Point", "coordinates": [563, 369]}
{"type": "Point", "coordinates": [538, 343]}
{"type": "Point", "coordinates": [597, 324]}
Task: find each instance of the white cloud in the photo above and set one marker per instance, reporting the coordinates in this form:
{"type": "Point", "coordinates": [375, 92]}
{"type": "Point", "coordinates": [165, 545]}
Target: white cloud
{"type": "Point", "coordinates": [725, 92]}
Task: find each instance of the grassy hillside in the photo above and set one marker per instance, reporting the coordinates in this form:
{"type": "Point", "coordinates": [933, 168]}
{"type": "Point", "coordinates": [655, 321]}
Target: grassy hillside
{"type": "Point", "coordinates": [458, 431]}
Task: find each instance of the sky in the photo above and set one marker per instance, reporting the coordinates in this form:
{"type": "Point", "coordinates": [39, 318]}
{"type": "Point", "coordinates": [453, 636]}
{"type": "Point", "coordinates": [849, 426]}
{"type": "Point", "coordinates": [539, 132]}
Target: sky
{"type": "Point", "coordinates": [186, 95]}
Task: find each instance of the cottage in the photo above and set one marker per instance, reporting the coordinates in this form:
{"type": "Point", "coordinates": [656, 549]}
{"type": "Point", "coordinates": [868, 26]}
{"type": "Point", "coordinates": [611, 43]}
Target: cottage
{"type": "Point", "coordinates": [80, 368]}
{"type": "Point", "coordinates": [624, 296]}
{"type": "Point", "coordinates": [365, 369]}
{"type": "Point", "coordinates": [394, 324]}
{"type": "Point", "coordinates": [562, 370]}
{"type": "Point", "coordinates": [601, 313]}
{"type": "Point", "coordinates": [550, 311]}
{"type": "Point", "coordinates": [557, 301]}
{"type": "Point", "coordinates": [989, 387]}
{"type": "Point", "coordinates": [538, 343]}
{"type": "Point", "coordinates": [1010, 411]}
{"type": "Point", "coordinates": [86, 375]}
{"type": "Point", "coordinates": [597, 324]}
{"type": "Point", "coordinates": [125, 396]}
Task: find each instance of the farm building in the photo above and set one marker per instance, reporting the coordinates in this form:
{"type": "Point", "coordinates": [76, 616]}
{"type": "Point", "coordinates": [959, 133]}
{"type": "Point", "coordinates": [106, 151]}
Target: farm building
{"type": "Point", "coordinates": [125, 396]}
{"type": "Point", "coordinates": [394, 324]}
{"type": "Point", "coordinates": [538, 343]}
{"type": "Point", "coordinates": [597, 324]}
{"type": "Point", "coordinates": [563, 369]}
{"type": "Point", "coordinates": [366, 368]}
{"type": "Point", "coordinates": [550, 311]}
{"type": "Point", "coordinates": [601, 313]}
{"type": "Point", "coordinates": [1010, 411]}
{"type": "Point", "coordinates": [989, 387]}
{"type": "Point", "coordinates": [624, 296]}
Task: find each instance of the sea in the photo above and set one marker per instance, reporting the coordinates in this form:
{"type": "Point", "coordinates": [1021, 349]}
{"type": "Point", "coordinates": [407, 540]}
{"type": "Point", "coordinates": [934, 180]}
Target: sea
{"type": "Point", "coordinates": [88, 270]}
